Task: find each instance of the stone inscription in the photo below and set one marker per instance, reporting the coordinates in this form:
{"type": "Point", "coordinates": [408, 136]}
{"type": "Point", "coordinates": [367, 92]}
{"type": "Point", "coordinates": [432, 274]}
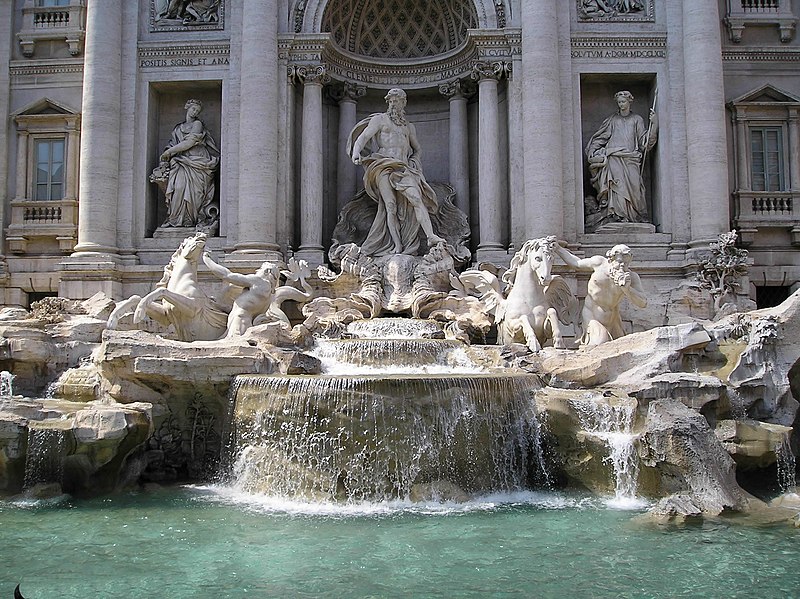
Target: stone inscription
{"type": "Point", "coordinates": [619, 53]}
{"type": "Point", "coordinates": [183, 62]}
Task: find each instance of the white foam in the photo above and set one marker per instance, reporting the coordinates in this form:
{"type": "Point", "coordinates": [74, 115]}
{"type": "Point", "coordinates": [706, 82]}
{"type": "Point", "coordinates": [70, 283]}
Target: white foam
{"type": "Point", "coordinates": [489, 502]}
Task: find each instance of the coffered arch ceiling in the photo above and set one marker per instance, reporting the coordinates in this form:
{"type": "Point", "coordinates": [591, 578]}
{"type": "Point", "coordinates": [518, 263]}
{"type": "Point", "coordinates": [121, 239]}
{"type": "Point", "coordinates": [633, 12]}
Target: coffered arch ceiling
{"type": "Point", "coordinates": [399, 29]}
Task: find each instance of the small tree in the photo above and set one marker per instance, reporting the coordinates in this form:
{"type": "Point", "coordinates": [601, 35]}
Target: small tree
{"type": "Point", "coordinates": [721, 269]}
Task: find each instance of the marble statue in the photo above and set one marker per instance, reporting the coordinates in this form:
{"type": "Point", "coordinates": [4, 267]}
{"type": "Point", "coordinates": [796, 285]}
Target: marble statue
{"type": "Point", "coordinates": [616, 155]}
{"type": "Point", "coordinates": [178, 300]}
{"type": "Point", "coordinates": [261, 298]}
{"type": "Point", "coordinates": [254, 300]}
{"type": "Point", "coordinates": [589, 9]}
{"type": "Point", "coordinates": [611, 282]}
{"type": "Point", "coordinates": [186, 173]}
{"type": "Point", "coordinates": [393, 178]}
{"type": "Point", "coordinates": [534, 300]}
{"type": "Point", "coordinates": [188, 12]}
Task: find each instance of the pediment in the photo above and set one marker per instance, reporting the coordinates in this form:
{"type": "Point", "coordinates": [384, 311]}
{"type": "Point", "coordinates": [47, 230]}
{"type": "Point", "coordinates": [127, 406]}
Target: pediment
{"type": "Point", "coordinates": [767, 94]}
{"type": "Point", "coordinates": [45, 106]}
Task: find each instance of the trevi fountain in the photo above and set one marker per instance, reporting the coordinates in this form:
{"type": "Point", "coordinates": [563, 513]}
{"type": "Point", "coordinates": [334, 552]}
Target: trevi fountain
{"type": "Point", "coordinates": [403, 421]}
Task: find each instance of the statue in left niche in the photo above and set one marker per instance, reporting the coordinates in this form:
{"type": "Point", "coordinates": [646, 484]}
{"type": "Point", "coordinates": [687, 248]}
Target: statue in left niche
{"type": "Point", "coordinates": [188, 12]}
{"type": "Point", "coordinates": [186, 174]}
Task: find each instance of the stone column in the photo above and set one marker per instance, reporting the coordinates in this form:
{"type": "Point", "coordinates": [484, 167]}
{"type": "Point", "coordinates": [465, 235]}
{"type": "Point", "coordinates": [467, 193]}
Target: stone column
{"type": "Point", "coordinates": [258, 132]}
{"type": "Point", "coordinates": [459, 142]}
{"type": "Point", "coordinates": [541, 125]}
{"type": "Point", "coordinates": [490, 243]}
{"type": "Point", "coordinates": [347, 176]}
{"type": "Point", "coordinates": [705, 122]}
{"type": "Point", "coordinates": [311, 165]}
{"type": "Point", "coordinates": [101, 123]}
{"type": "Point", "coordinates": [22, 165]}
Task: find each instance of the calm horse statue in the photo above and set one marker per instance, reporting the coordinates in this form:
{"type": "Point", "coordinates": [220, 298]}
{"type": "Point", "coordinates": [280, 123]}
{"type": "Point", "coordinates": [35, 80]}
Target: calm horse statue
{"type": "Point", "coordinates": [178, 300]}
{"type": "Point", "coordinates": [531, 303]}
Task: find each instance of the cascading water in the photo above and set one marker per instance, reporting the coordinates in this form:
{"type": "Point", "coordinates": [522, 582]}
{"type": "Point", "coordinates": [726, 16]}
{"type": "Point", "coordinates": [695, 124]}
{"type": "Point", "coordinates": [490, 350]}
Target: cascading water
{"type": "Point", "coordinates": [6, 384]}
{"type": "Point", "coordinates": [787, 466]}
{"type": "Point", "coordinates": [43, 460]}
{"type": "Point", "coordinates": [393, 435]}
{"type": "Point", "coordinates": [612, 422]}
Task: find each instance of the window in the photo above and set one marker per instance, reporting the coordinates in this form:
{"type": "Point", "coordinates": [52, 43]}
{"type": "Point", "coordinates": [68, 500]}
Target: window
{"type": "Point", "coordinates": [49, 182]}
{"type": "Point", "coordinates": [768, 296]}
{"type": "Point", "coordinates": [52, 3]}
{"type": "Point", "coordinates": [766, 151]}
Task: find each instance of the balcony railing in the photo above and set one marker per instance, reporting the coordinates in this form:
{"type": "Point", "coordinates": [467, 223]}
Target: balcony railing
{"type": "Point", "coordinates": [755, 210]}
{"type": "Point", "coordinates": [39, 219]}
{"type": "Point", "coordinates": [44, 23]}
{"type": "Point", "coordinates": [742, 13]}
{"type": "Point", "coordinates": [763, 6]}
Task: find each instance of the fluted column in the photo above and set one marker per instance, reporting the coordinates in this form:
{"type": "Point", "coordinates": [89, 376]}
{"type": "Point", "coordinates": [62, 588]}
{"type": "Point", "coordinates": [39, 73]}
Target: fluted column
{"type": "Point", "coordinates": [541, 124]}
{"type": "Point", "coordinates": [311, 164]}
{"type": "Point", "coordinates": [705, 121]}
{"type": "Point", "coordinates": [347, 176]}
{"type": "Point", "coordinates": [258, 131]}
{"type": "Point", "coordinates": [101, 123]}
{"type": "Point", "coordinates": [490, 242]}
{"type": "Point", "coordinates": [459, 142]}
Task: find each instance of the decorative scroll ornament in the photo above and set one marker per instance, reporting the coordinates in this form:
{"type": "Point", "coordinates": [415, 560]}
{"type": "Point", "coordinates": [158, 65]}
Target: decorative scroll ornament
{"type": "Point", "coordinates": [312, 74]}
{"type": "Point", "coordinates": [490, 70]}
{"type": "Point", "coordinates": [451, 89]}
{"type": "Point", "coordinates": [348, 91]}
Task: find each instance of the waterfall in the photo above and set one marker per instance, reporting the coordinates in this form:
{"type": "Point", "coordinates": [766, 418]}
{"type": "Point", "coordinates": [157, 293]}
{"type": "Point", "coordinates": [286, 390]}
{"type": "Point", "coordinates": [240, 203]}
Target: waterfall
{"type": "Point", "coordinates": [43, 460]}
{"type": "Point", "coordinates": [395, 413]}
{"type": "Point", "coordinates": [613, 423]}
{"type": "Point", "coordinates": [376, 438]}
{"type": "Point", "coordinates": [6, 384]}
{"type": "Point", "coordinates": [786, 466]}
{"type": "Point", "coordinates": [393, 356]}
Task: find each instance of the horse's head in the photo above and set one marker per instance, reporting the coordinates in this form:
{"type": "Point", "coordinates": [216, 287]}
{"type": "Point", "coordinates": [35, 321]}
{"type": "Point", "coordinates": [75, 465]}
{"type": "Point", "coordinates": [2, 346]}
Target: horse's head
{"type": "Point", "coordinates": [540, 257]}
{"type": "Point", "coordinates": [192, 247]}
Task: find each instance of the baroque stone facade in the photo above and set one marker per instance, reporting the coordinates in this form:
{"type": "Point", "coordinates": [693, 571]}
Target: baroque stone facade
{"type": "Point", "coordinates": [505, 96]}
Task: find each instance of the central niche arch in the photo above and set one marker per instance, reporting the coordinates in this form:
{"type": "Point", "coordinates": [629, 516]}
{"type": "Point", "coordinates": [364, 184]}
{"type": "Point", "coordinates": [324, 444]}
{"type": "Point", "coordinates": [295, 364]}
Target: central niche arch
{"type": "Point", "coordinates": [321, 16]}
{"type": "Point", "coordinates": [399, 29]}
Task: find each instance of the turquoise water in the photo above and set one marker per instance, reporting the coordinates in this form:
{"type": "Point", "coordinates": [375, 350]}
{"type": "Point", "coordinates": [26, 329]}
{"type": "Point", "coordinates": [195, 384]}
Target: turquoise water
{"type": "Point", "coordinates": [208, 542]}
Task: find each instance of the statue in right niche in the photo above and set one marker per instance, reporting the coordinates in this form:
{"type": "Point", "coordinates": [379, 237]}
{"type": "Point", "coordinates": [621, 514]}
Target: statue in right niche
{"type": "Point", "coordinates": [616, 154]}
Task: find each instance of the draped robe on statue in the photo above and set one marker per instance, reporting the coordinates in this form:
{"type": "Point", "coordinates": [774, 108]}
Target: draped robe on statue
{"type": "Point", "coordinates": [618, 178]}
{"type": "Point", "coordinates": [190, 188]}
{"type": "Point", "coordinates": [402, 176]}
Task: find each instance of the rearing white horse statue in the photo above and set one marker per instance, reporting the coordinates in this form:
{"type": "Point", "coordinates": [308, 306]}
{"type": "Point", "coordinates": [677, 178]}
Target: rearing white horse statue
{"type": "Point", "coordinates": [178, 299]}
{"type": "Point", "coordinates": [530, 303]}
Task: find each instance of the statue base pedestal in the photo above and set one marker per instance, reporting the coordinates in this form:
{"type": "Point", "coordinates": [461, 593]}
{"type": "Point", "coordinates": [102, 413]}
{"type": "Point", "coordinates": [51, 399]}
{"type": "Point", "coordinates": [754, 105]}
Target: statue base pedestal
{"type": "Point", "coordinates": [625, 228]}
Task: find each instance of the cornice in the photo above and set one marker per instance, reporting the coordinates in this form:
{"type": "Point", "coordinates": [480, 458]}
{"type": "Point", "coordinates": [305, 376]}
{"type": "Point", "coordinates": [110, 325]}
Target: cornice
{"type": "Point", "coordinates": [484, 44]}
{"type": "Point", "coordinates": [183, 50]}
{"type": "Point", "coordinates": [593, 41]}
{"type": "Point", "coordinates": [27, 68]}
{"type": "Point", "coordinates": [761, 55]}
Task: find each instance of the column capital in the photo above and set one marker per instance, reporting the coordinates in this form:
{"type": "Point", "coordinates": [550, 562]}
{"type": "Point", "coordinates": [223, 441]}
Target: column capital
{"type": "Point", "coordinates": [457, 89]}
{"type": "Point", "coordinates": [311, 74]}
{"type": "Point", "coordinates": [348, 92]}
{"type": "Point", "coordinates": [485, 69]}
